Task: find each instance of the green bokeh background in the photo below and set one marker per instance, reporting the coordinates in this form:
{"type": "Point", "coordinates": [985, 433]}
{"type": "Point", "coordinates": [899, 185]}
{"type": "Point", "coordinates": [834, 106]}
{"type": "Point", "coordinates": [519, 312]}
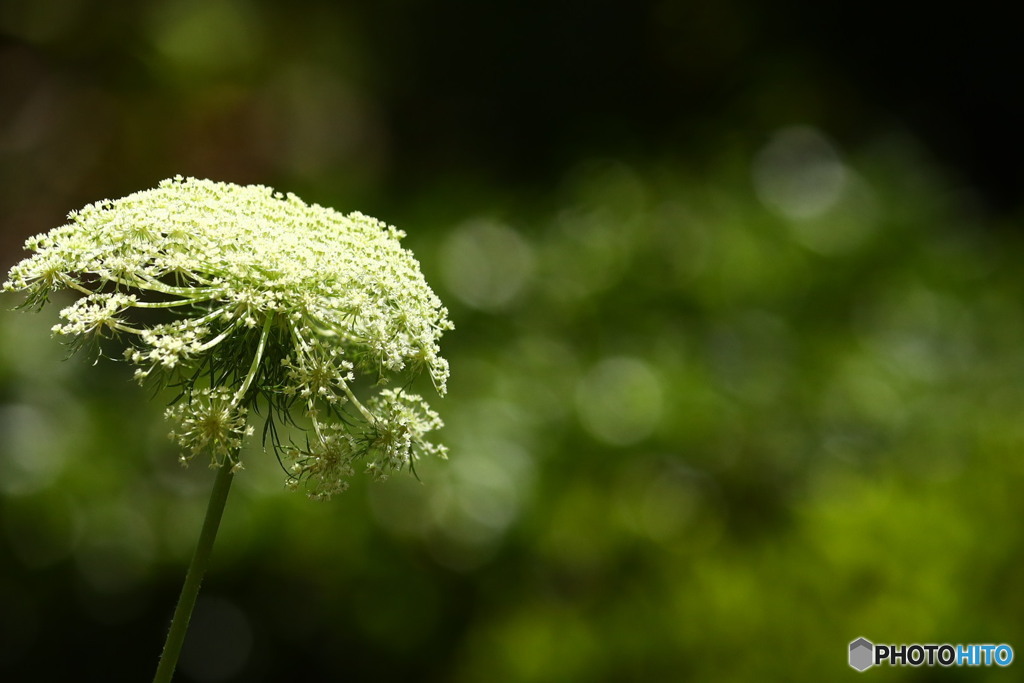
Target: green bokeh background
{"type": "Point", "coordinates": [736, 377]}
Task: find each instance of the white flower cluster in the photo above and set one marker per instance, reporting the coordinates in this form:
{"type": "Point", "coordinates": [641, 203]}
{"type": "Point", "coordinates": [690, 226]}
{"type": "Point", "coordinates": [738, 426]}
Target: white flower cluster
{"type": "Point", "coordinates": [211, 423]}
{"type": "Point", "coordinates": [390, 441]}
{"type": "Point", "coordinates": [271, 301]}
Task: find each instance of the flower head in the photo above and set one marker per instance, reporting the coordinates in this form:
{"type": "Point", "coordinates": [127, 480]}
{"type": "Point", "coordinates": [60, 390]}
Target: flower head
{"type": "Point", "coordinates": [210, 423]}
{"type": "Point", "coordinates": [268, 301]}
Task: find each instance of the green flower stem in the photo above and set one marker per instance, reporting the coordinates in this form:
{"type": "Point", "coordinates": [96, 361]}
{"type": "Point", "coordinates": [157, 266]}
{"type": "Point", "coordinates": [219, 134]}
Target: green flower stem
{"type": "Point", "coordinates": [194, 577]}
{"type": "Point", "coordinates": [268, 324]}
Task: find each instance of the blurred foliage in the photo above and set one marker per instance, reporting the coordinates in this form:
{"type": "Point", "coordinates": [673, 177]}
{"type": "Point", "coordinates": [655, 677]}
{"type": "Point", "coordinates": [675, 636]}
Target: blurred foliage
{"type": "Point", "coordinates": [725, 397]}
{"type": "Point", "coordinates": [703, 426]}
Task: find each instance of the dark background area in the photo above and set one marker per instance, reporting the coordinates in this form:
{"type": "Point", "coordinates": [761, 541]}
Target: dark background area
{"type": "Point", "coordinates": [522, 89]}
{"type": "Point", "coordinates": [508, 94]}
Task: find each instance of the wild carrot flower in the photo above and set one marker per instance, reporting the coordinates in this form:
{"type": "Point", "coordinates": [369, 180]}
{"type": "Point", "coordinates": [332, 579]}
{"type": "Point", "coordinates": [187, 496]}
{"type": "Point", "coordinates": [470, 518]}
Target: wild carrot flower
{"type": "Point", "coordinates": [251, 301]}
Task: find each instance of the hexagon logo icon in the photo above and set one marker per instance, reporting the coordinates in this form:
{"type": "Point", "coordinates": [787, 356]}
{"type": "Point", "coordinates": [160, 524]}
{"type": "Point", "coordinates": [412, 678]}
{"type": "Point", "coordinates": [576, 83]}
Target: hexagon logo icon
{"type": "Point", "coordinates": [862, 653]}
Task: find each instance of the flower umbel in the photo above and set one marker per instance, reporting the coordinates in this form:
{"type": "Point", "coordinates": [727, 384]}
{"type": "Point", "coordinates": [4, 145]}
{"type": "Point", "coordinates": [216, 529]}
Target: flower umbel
{"type": "Point", "coordinates": [210, 423]}
{"type": "Point", "coordinates": [269, 303]}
